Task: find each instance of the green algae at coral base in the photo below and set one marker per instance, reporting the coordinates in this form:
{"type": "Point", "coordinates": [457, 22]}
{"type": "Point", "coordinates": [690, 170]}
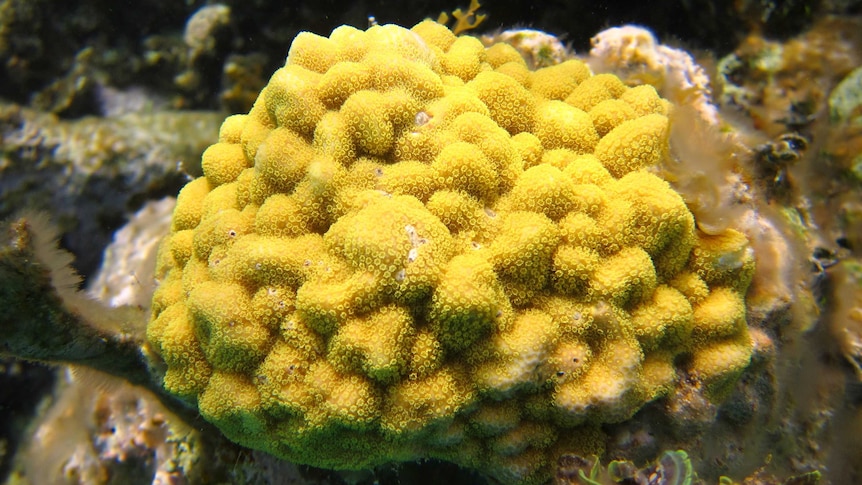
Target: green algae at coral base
{"type": "Point", "coordinates": [414, 246]}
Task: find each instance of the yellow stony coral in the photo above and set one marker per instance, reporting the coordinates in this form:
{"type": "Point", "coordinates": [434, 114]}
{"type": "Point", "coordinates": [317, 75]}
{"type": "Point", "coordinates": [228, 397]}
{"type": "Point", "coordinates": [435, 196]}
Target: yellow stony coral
{"type": "Point", "coordinates": [557, 82]}
{"type": "Point", "coordinates": [281, 215]}
{"type": "Point", "coordinates": [517, 353]}
{"type": "Point", "coordinates": [588, 170]}
{"type": "Point", "coordinates": [468, 302]}
{"type": "Point", "coordinates": [690, 285]}
{"type": "Point", "coordinates": [559, 125]}
{"type": "Point", "coordinates": [415, 78]}
{"type": "Point", "coordinates": [664, 321]}
{"type": "Point", "coordinates": [496, 419]}
{"type": "Point", "coordinates": [570, 360]}
{"type": "Point", "coordinates": [573, 267]}
{"type": "Point", "coordinates": [341, 80]}
{"type": "Point", "coordinates": [272, 304]}
{"type": "Point", "coordinates": [190, 204]}
{"type": "Point", "coordinates": [516, 70]}
{"type": "Point", "coordinates": [499, 54]}
{"type": "Point", "coordinates": [724, 259]}
{"type": "Point", "coordinates": [266, 260]}
{"type": "Point", "coordinates": [625, 278]}
{"type": "Point", "coordinates": [462, 166]}
{"type": "Point", "coordinates": [231, 129]}
{"type": "Point", "coordinates": [174, 333]}
{"type": "Point", "coordinates": [594, 90]}
{"type": "Point", "coordinates": [313, 52]}
{"type": "Point", "coordinates": [718, 364]}
{"type": "Point", "coordinates": [231, 340]}
{"type": "Point", "coordinates": [645, 100]}
{"type": "Point", "coordinates": [544, 189]}
{"type": "Point", "coordinates": [232, 402]}
{"type": "Point", "coordinates": [435, 34]}
{"type": "Point", "coordinates": [221, 197]}
{"type": "Point", "coordinates": [464, 216]}
{"type": "Point", "coordinates": [634, 144]}
{"type": "Point", "coordinates": [464, 58]}
{"type": "Point", "coordinates": [366, 117]}
{"type": "Point", "coordinates": [377, 345]}
{"type": "Point", "coordinates": [529, 147]}
{"type": "Point", "coordinates": [527, 434]}
{"type": "Point", "coordinates": [658, 220]}
{"type": "Point", "coordinates": [415, 247]}
{"type": "Point", "coordinates": [282, 160]}
{"type": "Point", "coordinates": [522, 253]}
{"type": "Point", "coordinates": [223, 162]}
{"type": "Point", "coordinates": [415, 405]}
{"type": "Point", "coordinates": [609, 114]}
{"type": "Point", "coordinates": [408, 178]}
{"type": "Point", "coordinates": [343, 400]}
{"type": "Point", "coordinates": [281, 379]}
{"type": "Point", "coordinates": [290, 99]}
{"type": "Point", "coordinates": [607, 388]}
{"type": "Point", "coordinates": [720, 314]}
{"type": "Point", "coordinates": [181, 245]}
{"type": "Point", "coordinates": [426, 354]}
{"type": "Point", "coordinates": [511, 106]}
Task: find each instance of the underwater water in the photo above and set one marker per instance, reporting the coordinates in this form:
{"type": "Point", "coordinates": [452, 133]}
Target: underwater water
{"type": "Point", "coordinates": [561, 242]}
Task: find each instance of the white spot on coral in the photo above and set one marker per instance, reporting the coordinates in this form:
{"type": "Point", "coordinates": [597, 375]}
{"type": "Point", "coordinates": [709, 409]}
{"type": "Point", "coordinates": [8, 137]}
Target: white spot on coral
{"type": "Point", "coordinates": [415, 239]}
{"type": "Point", "coordinates": [422, 118]}
{"type": "Point", "coordinates": [411, 232]}
{"type": "Point", "coordinates": [735, 260]}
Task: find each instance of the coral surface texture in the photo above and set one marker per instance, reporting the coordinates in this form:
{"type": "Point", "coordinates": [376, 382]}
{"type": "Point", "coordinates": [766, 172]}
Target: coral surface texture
{"type": "Point", "coordinates": [414, 246]}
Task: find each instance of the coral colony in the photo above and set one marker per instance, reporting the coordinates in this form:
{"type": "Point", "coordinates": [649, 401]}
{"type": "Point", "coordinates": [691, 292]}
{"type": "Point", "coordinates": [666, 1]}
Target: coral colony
{"type": "Point", "coordinates": [415, 246]}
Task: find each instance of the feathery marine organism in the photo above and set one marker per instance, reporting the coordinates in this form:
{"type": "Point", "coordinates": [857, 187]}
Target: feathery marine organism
{"type": "Point", "coordinates": [414, 246]}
